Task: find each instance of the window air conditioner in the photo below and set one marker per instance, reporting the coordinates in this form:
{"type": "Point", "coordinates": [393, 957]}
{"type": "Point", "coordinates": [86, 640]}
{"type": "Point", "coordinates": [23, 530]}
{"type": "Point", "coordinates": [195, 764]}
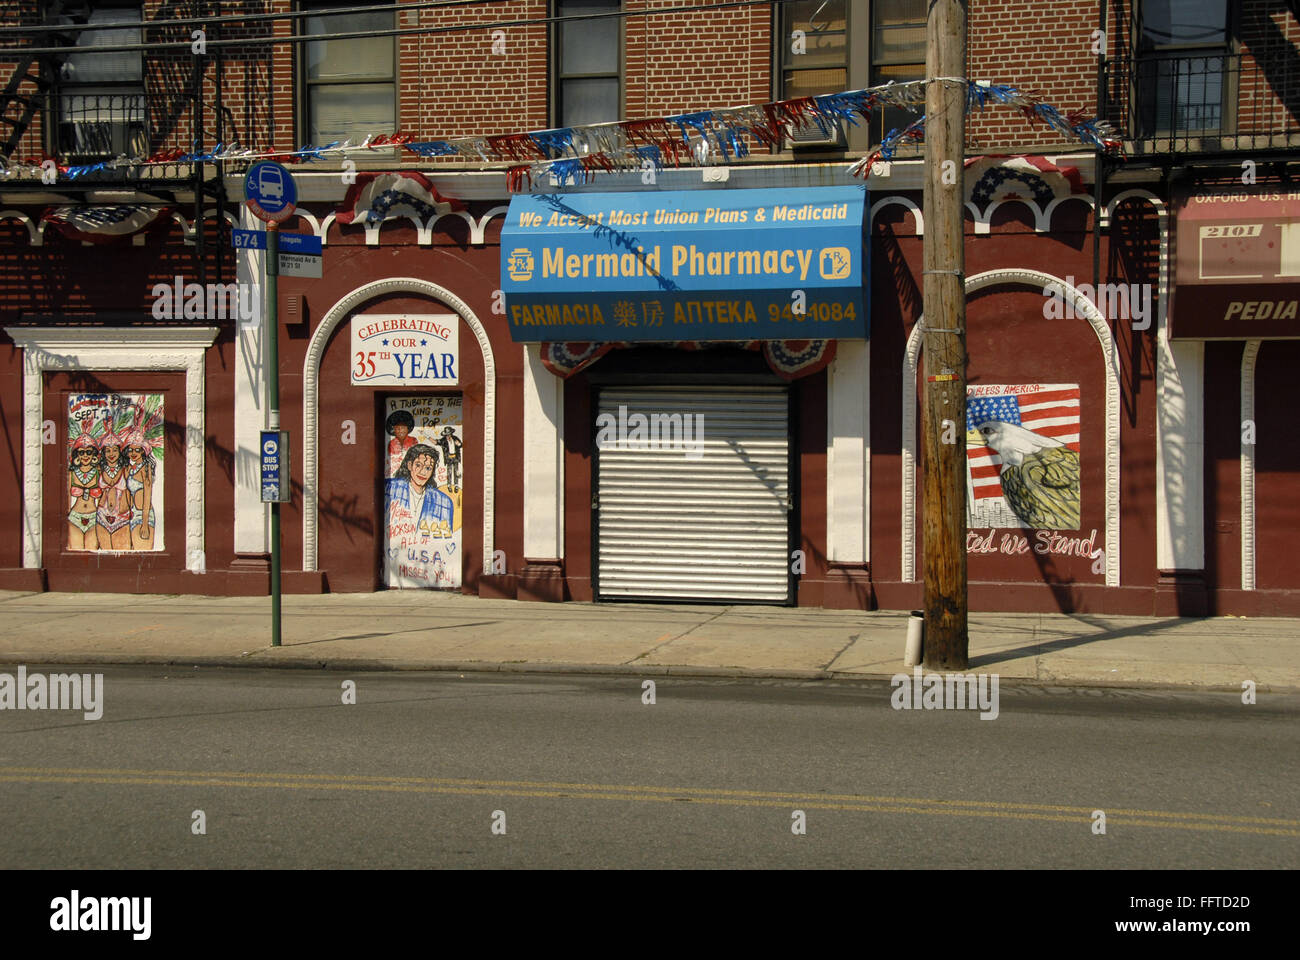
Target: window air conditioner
{"type": "Point", "coordinates": [103, 138]}
{"type": "Point", "coordinates": [809, 133]}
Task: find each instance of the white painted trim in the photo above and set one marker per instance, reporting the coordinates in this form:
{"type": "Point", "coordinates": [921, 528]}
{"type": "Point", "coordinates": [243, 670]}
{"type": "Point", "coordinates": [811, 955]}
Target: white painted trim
{"type": "Point", "coordinates": [1110, 358]}
{"type": "Point", "coordinates": [252, 519]}
{"type": "Point", "coordinates": [1180, 434]}
{"type": "Point", "coordinates": [132, 348]}
{"type": "Point", "coordinates": [983, 218]}
{"type": "Point", "coordinates": [848, 445]}
{"type": "Point", "coordinates": [1248, 358]}
{"type": "Point", "coordinates": [543, 458]}
{"type": "Point", "coordinates": [1180, 453]}
{"type": "Point", "coordinates": [311, 399]}
{"type": "Point", "coordinates": [35, 231]}
{"type": "Point", "coordinates": [903, 202]}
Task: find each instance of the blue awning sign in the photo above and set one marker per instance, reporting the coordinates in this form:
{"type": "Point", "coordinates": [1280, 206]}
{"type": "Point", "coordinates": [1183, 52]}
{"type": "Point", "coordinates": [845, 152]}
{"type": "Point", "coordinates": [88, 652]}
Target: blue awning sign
{"type": "Point", "coordinates": [685, 265]}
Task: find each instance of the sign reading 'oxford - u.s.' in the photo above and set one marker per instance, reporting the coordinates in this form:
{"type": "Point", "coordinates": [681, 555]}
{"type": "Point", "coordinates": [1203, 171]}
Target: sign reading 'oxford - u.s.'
{"type": "Point", "coordinates": [685, 265]}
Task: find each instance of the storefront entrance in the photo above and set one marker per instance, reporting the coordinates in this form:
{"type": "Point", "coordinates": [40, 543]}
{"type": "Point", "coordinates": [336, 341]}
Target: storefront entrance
{"type": "Point", "coordinates": [423, 462]}
{"type": "Point", "coordinates": [693, 498]}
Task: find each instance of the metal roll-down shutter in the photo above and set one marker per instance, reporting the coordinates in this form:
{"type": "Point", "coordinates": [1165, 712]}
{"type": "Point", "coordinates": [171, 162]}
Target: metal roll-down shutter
{"type": "Point", "coordinates": [716, 527]}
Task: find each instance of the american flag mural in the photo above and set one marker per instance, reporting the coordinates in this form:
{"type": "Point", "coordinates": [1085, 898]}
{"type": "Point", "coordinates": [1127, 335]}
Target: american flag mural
{"type": "Point", "coordinates": [1049, 412]}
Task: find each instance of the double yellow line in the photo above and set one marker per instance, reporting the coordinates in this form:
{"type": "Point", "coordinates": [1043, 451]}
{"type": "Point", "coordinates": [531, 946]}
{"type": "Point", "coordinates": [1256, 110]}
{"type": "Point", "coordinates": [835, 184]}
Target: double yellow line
{"type": "Point", "coordinates": [645, 793]}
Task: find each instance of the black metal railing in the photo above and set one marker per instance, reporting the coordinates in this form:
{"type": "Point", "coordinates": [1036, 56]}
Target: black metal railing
{"type": "Point", "coordinates": [101, 126]}
{"type": "Point", "coordinates": [83, 126]}
{"type": "Point", "coordinates": [1204, 102]}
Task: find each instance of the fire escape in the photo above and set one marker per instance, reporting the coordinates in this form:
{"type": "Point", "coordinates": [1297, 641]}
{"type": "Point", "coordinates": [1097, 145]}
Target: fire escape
{"type": "Point", "coordinates": [1200, 84]}
{"type": "Point", "coordinates": [44, 115]}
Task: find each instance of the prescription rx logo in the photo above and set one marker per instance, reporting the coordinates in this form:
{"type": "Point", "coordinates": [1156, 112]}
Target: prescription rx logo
{"type": "Point", "coordinates": [836, 263]}
{"type": "Point", "coordinates": [520, 265]}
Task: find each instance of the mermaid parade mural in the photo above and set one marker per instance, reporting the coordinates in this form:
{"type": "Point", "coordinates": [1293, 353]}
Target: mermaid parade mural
{"type": "Point", "coordinates": [115, 459]}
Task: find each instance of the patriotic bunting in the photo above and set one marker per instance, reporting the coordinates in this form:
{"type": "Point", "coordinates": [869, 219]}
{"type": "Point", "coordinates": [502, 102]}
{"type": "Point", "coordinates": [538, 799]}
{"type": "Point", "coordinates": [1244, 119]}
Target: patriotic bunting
{"type": "Point", "coordinates": [999, 177]}
{"type": "Point", "coordinates": [103, 224]}
{"type": "Point", "coordinates": [572, 155]}
{"type": "Point", "coordinates": [377, 197]}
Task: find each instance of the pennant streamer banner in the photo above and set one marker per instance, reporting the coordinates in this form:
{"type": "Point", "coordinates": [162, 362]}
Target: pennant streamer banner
{"type": "Point", "coordinates": [572, 155]}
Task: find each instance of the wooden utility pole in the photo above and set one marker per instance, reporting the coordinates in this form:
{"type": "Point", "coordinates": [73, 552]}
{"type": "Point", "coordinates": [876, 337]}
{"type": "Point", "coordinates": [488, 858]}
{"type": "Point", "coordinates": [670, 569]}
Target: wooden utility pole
{"type": "Point", "coordinates": [944, 404]}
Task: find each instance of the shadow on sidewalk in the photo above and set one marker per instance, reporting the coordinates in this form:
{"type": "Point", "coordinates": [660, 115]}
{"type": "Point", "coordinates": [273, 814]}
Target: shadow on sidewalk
{"type": "Point", "coordinates": [1066, 643]}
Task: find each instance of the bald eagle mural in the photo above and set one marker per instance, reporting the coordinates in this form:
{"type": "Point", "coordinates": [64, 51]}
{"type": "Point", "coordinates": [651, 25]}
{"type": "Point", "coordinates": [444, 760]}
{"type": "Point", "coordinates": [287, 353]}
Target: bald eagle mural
{"type": "Point", "coordinates": [1023, 456]}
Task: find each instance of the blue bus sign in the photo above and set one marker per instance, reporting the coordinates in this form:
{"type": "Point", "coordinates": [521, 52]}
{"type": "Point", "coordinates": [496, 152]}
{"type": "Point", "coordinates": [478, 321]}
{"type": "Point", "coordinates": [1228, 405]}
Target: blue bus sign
{"type": "Point", "coordinates": [275, 466]}
{"type": "Point", "coordinates": [242, 239]}
{"type": "Point", "coordinates": [300, 243]}
{"type": "Point", "coordinates": [270, 192]}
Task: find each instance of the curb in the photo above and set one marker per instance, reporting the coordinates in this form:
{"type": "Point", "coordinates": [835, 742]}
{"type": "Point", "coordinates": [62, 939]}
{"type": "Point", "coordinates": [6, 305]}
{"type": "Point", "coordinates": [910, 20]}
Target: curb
{"type": "Point", "coordinates": [583, 669]}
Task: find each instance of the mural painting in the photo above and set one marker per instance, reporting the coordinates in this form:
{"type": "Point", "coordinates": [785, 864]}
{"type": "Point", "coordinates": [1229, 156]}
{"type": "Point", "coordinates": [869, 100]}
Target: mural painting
{"type": "Point", "coordinates": [423, 492]}
{"type": "Point", "coordinates": [1022, 453]}
{"type": "Point", "coordinates": [115, 472]}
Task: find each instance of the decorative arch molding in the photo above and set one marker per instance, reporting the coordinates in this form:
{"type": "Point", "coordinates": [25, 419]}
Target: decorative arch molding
{"type": "Point", "coordinates": [897, 201]}
{"type": "Point", "coordinates": [423, 228]}
{"type": "Point", "coordinates": [1248, 358]}
{"type": "Point", "coordinates": [1110, 357]}
{"type": "Point", "coordinates": [983, 218]}
{"type": "Point", "coordinates": [311, 399]}
{"type": "Point", "coordinates": [1042, 215]}
{"type": "Point", "coordinates": [35, 231]}
{"type": "Point", "coordinates": [85, 348]}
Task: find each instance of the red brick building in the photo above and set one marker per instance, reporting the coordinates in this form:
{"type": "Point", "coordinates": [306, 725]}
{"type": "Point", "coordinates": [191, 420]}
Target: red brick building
{"type": "Point", "coordinates": [1162, 393]}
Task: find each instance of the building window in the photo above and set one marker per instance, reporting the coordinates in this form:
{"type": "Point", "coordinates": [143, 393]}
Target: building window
{"type": "Point", "coordinates": [350, 85]}
{"type": "Point", "coordinates": [823, 51]}
{"type": "Point", "coordinates": [588, 64]}
{"type": "Point", "coordinates": [897, 54]}
{"type": "Point", "coordinates": [814, 48]}
{"type": "Point", "coordinates": [1182, 49]}
{"type": "Point", "coordinates": [101, 95]}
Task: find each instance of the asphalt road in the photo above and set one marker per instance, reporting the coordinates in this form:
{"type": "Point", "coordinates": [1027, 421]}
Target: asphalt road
{"type": "Point", "coordinates": [586, 774]}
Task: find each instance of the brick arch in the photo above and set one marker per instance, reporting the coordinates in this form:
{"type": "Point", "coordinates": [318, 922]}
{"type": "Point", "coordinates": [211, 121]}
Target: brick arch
{"type": "Point", "coordinates": [1084, 308]}
{"type": "Point", "coordinates": [311, 399]}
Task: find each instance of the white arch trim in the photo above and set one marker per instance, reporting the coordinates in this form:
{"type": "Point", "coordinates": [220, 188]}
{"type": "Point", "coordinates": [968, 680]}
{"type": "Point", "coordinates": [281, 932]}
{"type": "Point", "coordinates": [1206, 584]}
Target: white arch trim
{"type": "Point", "coordinates": [905, 203]}
{"type": "Point", "coordinates": [35, 232]}
{"type": "Point", "coordinates": [1110, 356]}
{"type": "Point", "coordinates": [983, 218]}
{"type": "Point", "coordinates": [1248, 357]}
{"type": "Point", "coordinates": [311, 399]}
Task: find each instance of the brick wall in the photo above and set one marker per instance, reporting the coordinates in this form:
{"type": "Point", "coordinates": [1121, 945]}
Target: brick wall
{"type": "Point", "coordinates": [1043, 48]}
{"type": "Point", "coordinates": [474, 82]}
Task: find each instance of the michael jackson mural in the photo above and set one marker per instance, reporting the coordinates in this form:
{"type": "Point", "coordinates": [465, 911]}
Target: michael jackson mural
{"type": "Point", "coordinates": [422, 492]}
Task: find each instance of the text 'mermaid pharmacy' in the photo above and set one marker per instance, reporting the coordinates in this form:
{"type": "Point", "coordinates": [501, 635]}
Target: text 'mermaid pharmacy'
{"type": "Point", "coordinates": [685, 265]}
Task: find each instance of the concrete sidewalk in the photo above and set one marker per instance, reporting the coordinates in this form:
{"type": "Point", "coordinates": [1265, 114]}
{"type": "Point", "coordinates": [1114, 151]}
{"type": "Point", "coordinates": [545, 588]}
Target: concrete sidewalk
{"type": "Point", "coordinates": [439, 631]}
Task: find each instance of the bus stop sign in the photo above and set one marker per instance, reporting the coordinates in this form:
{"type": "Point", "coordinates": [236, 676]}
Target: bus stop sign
{"type": "Point", "coordinates": [270, 192]}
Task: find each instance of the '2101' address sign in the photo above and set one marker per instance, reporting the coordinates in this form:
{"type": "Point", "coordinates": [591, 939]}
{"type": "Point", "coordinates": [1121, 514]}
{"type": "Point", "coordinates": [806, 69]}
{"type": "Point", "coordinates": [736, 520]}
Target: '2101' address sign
{"type": "Point", "coordinates": [406, 348]}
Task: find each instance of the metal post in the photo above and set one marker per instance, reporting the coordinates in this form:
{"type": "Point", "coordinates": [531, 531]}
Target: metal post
{"type": "Point", "coordinates": [271, 332]}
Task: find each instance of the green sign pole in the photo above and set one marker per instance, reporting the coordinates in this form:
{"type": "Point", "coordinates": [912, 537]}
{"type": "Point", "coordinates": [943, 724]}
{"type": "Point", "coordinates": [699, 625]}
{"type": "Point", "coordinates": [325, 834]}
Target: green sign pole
{"type": "Point", "coordinates": [273, 403]}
